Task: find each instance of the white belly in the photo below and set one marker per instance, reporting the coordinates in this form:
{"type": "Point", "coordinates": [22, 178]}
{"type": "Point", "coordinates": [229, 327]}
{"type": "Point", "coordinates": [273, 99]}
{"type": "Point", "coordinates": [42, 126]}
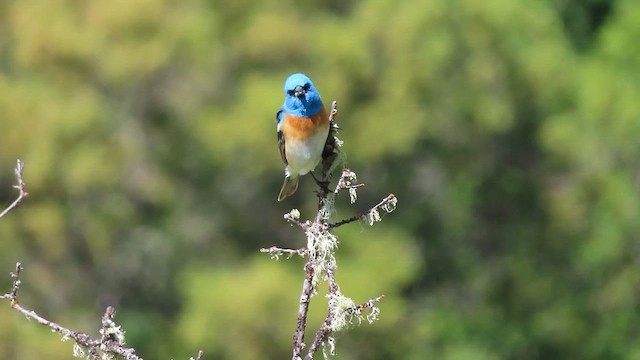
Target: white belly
{"type": "Point", "coordinates": [303, 156]}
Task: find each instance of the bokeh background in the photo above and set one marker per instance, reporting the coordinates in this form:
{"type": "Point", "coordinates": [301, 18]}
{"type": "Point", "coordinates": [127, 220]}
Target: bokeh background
{"type": "Point", "coordinates": [508, 129]}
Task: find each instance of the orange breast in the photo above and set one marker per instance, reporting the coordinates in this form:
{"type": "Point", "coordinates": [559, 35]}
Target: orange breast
{"type": "Point", "coordinates": [300, 128]}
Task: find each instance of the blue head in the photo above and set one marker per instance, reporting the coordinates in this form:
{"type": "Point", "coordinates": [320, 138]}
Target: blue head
{"type": "Point", "coordinates": [300, 96]}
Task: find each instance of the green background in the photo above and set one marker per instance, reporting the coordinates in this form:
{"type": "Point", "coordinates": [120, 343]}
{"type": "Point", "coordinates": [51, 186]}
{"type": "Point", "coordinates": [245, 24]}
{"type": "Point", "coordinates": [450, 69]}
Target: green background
{"type": "Point", "coordinates": [508, 129]}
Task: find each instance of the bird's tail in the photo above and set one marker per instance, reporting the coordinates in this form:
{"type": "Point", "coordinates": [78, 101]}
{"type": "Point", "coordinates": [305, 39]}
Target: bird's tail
{"type": "Point", "coordinates": [289, 186]}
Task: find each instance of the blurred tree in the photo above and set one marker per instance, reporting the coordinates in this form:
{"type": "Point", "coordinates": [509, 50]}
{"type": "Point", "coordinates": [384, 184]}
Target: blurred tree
{"type": "Point", "coordinates": [583, 20]}
{"type": "Point", "coordinates": [507, 128]}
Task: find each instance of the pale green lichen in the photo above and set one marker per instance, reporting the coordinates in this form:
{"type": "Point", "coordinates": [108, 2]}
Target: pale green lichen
{"type": "Point", "coordinates": [329, 347]}
{"type": "Point", "coordinates": [373, 217]}
{"type": "Point", "coordinates": [114, 332]}
{"type": "Point", "coordinates": [328, 209]}
{"type": "Point", "coordinates": [78, 351]}
{"type": "Point", "coordinates": [373, 314]}
{"type": "Point", "coordinates": [390, 205]}
{"type": "Point", "coordinates": [343, 310]}
{"type": "Point", "coordinates": [387, 205]}
{"type": "Point", "coordinates": [321, 244]}
{"type": "Point", "coordinates": [350, 183]}
{"type": "Point", "coordinates": [353, 195]}
{"type": "Point", "coordinates": [294, 214]}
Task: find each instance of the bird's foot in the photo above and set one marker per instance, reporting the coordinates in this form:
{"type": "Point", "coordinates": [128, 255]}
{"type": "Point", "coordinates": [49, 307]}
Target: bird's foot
{"type": "Point", "coordinates": [323, 184]}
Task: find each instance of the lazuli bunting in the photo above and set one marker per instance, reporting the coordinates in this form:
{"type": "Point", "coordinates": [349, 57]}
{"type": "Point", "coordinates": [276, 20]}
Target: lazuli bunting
{"type": "Point", "coordinates": [303, 128]}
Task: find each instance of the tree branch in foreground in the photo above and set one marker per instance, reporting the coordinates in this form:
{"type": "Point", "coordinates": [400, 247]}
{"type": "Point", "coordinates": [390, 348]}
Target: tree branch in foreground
{"type": "Point", "coordinates": [111, 341]}
{"type": "Point", "coordinates": [320, 252]}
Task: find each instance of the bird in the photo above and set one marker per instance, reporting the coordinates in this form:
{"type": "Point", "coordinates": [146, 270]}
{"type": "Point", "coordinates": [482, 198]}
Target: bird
{"type": "Point", "coordinates": [302, 126]}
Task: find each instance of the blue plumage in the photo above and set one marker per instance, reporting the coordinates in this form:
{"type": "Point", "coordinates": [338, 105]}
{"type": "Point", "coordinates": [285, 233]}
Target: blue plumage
{"type": "Point", "coordinates": [303, 127]}
{"type": "Point", "coordinates": [308, 104]}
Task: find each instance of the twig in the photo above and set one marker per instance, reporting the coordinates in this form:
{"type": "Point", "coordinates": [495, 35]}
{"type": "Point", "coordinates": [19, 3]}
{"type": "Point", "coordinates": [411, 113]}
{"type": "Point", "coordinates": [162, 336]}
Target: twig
{"type": "Point", "coordinates": [112, 336]}
{"type": "Point", "coordinates": [80, 338]}
{"type": "Point", "coordinates": [321, 335]}
{"type": "Point", "coordinates": [276, 252]}
{"type": "Point", "coordinates": [370, 303]}
{"type": "Point", "coordinates": [13, 294]}
{"type": "Point", "coordinates": [303, 309]}
{"type": "Point", "coordinates": [387, 204]}
{"type": "Point", "coordinates": [20, 186]}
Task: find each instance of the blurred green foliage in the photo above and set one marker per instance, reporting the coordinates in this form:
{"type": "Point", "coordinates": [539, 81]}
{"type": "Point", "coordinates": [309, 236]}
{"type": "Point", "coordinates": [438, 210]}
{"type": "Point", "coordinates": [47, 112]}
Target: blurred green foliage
{"type": "Point", "coordinates": [508, 130]}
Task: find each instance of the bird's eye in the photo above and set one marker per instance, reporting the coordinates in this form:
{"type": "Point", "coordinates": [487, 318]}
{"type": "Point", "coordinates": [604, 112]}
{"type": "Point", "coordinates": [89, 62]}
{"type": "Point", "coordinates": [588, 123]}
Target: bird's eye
{"type": "Point", "coordinates": [290, 92]}
{"type": "Point", "coordinates": [307, 86]}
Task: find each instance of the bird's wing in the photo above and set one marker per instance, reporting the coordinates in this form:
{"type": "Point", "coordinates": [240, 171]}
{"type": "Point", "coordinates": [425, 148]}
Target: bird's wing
{"type": "Point", "coordinates": [279, 117]}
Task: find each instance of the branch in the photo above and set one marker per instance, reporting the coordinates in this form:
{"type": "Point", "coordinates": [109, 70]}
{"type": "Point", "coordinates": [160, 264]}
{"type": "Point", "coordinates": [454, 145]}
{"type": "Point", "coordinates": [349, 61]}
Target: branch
{"type": "Point", "coordinates": [388, 204]}
{"type": "Point", "coordinates": [13, 294]}
{"type": "Point", "coordinates": [276, 252]}
{"type": "Point", "coordinates": [112, 336]}
{"type": "Point", "coordinates": [303, 309]}
{"type": "Point", "coordinates": [321, 335]}
{"type": "Point", "coordinates": [20, 186]}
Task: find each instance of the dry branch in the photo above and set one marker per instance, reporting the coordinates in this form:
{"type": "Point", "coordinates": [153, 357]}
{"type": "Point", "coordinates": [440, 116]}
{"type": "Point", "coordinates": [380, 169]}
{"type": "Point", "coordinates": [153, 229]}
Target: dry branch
{"type": "Point", "coordinates": [111, 341]}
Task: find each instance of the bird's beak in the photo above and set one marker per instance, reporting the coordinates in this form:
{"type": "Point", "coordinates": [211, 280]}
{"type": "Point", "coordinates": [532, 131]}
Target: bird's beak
{"type": "Point", "coordinates": [299, 92]}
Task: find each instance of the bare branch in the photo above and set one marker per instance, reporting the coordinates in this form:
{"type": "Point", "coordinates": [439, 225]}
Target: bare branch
{"type": "Point", "coordinates": [370, 303]}
{"type": "Point", "coordinates": [112, 336]}
{"type": "Point", "coordinates": [20, 186]}
{"type": "Point", "coordinates": [303, 309]}
{"type": "Point", "coordinates": [13, 294]}
{"type": "Point", "coordinates": [80, 338]}
{"type": "Point", "coordinates": [276, 252]}
{"type": "Point", "coordinates": [321, 335]}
